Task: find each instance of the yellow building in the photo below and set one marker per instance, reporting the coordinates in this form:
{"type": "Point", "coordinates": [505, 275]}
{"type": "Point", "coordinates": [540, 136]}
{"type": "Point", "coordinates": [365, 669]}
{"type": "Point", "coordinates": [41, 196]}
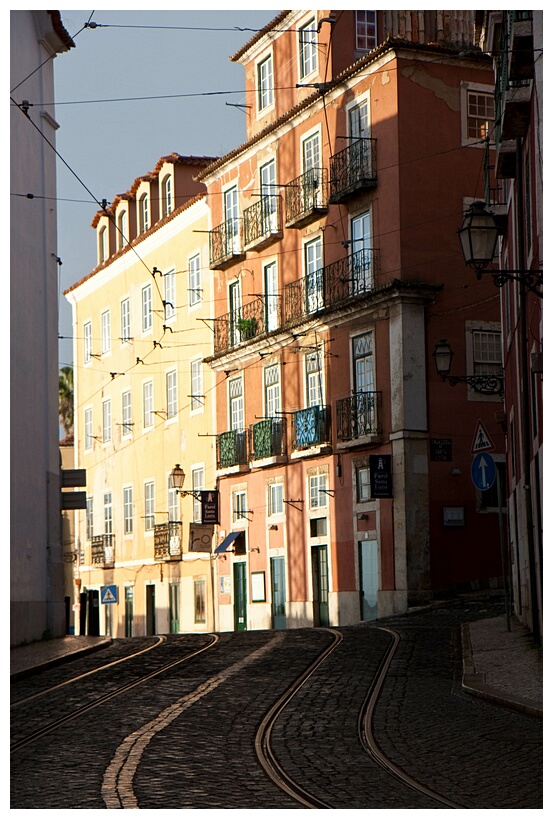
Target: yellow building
{"type": "Point", "coordinates": [144, 402]}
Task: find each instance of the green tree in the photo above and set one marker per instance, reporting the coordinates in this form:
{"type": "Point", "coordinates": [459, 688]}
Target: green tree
{"type": "Point", "coordinates": [66, 399]}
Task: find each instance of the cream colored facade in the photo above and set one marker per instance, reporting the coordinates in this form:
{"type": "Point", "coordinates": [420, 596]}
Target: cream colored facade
{"type": "Point", "coordinates": [144, 402]}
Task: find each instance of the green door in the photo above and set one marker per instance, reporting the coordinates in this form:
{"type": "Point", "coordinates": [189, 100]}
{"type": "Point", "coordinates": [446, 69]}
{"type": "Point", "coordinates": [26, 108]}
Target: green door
{"type": "Point", "coordinates": [129, 610]}
{"type": "Point", "coordinates": [240, 596]}
{"type": "Point", "coordinates": [319, 565]}
{"type": "Point", "coordinates": [174, 608]}
{"type": "Point", "coordinates": [278, 592]}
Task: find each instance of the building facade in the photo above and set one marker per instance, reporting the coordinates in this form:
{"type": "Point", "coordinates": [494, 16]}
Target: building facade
{"type": "Point", "coordinates": [144, 401]}
{"type": "Point", "coordinates": [343, 459]}
{"type": "Point", "coordinates": [36, 564]}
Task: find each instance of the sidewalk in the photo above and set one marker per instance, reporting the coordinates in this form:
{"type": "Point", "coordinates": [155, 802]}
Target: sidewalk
{"type": "Point", "coordinates": [46, 653]}
{"type": "Point", "coordinates": [502, 666]}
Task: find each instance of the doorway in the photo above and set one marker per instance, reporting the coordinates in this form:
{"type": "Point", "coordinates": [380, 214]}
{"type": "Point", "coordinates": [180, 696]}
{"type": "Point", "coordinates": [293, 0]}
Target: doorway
{"type": "Point", "coordinates": [150, 610]}
{"type": "Point", "coordinates": [240, 596]}
{"type": "Point", "coordinates": [368, 579]}
{"type": "Point", "coordinates": [174, 608]}
{"type": "Point", "coordinates": [319, 568]}
{"type": "Point", "coordinates": [278, 593]}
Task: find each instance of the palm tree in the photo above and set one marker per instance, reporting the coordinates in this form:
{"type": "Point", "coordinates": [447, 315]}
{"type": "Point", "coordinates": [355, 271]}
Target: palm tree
{"type": "Point", "coordinates": [66, 399]}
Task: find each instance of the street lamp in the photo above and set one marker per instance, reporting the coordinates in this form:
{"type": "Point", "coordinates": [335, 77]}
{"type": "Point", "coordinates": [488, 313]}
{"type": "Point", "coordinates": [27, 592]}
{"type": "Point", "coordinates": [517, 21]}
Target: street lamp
{"type": "Point", "coordinates": [478, 235]}
{"type": "Point", "coordinates": [177, 477]}
{"type": "Point", "coordinates": [487, 384]}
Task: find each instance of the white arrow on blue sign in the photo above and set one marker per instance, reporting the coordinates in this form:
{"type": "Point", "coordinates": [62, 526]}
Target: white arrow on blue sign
{"type": "Point", "coordinates": [483, 471]}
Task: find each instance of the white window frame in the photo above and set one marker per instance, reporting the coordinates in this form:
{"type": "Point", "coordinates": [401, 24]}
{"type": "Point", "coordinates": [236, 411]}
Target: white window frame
{"type": "Point", "coordinates": [198, 478]}
{"type": "Point", "coordinates": [125, 320]}
{"type": "Point", "coordinates": [87, 342]}
{"type": "Point", "coordinates": [88, 439]}
{"type": "Point", "coordinates": [103, 252]}
{"type": "Point", "coordinates": [167, 194]}
{"type": "Point", "coordinates": [149, 506]}
{"type": "Point", "coordinates": [144, 212]}
{"type": "Point", "coordinates": [128, 510]}
{"type": "Point", "coordinates": [318, 499]}
{"type": "Point", "coordinates": [466, 90]}
{"type": "Point", "coordinates": [307, 49]}
{"type": "Point", "coordinates": [365, 37]}
{"type": "Point", "coordinates": [275, 499]}
{"type": "Point", "coordinates": [361, 485]}
{"type": "Point", "coordinates": [105, 323]}
{"type": "Point", "coordinates": [126, 412]}
{"type": "Point", "coordinates": [148, 404]}
{"type": "Point", "coordinates": [314, 379]}
{"type": "Point", "coordinates": [122, 228]}
{"type": "Point", "coordinates": [106, 421]}
{"type": "Point", "coordinates": [173, 505]}
{"type": "Point", "coordinates": [108, 513]}
{"type": "Point", "coordinates": [265, 83]}
{"type": "Point", "coordinates": [194, 280]}
{"type": "Point", "coordinates": [89, 517]}
{"type": "Point", "coordinates": [171, 388]}
{"type": "Point", "coordinates": [196, 386]}
{"type": "Point", "coordinates": [170, 294]}
{"type": "Point", "coordinates": [482, 327]}
{"type": "Point", "coordinates": [147, 312]}
{"type": "Point", "coordinates": [271, 390]}
{"type": "Point", "coordinates": [239, 506]}
{"type": "Point", "coordinates": [236, 404]}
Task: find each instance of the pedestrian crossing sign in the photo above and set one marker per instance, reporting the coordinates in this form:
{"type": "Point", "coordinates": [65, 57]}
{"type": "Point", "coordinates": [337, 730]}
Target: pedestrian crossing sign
{"type": "Point", "coordinates": [482, 441]}
{"type": "Point", "coordinates": [108, 594]}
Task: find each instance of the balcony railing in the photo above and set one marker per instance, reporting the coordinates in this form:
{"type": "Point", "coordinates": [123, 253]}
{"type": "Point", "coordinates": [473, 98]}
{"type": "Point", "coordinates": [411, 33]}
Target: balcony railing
{"type": "Point", "coordinates": [225, 243]}
{"type": "Point", "coordinates": [231, 449]}
{"type": "Point", "coordinates": [103, 550]}
{"type": "Point", "coordinates": [356, 415]}
{"type": "Point", "coordinates": [311, 427]}
{"type": "Point", "coordinates": [353, 169]}
{"type": "Point", "coordinates": [253, 319]}
{"type": "Point", "coordinates": [168, 540]}
{"type": "Point", "coordinates": [306, 197]}
{"type": "Point", "coordinates": [267, 438]}
{"type": "Point", "coordinates": [332, 286]}
{"type": "Point", "coordinates": [263, 222]}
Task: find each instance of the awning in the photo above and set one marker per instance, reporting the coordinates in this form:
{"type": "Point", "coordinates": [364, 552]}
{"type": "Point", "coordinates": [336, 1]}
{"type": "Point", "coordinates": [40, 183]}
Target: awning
{"type": "Point", "coordinates": [225, 544]}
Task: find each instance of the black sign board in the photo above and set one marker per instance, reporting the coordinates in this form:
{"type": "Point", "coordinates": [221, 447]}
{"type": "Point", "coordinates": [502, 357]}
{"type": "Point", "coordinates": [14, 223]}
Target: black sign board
{"type": "Point", "coordinates": [440, 449]}
{"type": "Point", "coordinates": [380, 467]}
{"type": "Point", "coordinates": [210, 506]}
{"type": "Point", "coordinates": [73, 500]}
{"type": "Point", "coordinates": [73, 477]}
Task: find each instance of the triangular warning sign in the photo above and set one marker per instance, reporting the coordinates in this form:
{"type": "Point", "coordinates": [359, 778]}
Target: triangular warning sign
{"type": "Point", "coordinates": [481, 441]}
{"type": "Point", "coordinates": [108, 596]}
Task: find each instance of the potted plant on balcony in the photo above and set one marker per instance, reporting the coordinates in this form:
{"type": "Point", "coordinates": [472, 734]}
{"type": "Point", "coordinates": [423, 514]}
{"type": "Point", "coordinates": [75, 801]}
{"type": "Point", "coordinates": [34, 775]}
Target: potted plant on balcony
{"type": "Point", "coordinates": [246, 327]}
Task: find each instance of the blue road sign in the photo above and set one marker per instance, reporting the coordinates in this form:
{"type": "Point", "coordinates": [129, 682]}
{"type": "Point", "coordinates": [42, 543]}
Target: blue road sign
{"type": "Point", "coordinates": [108, 594]}
{"type": "Point", "coordinates": [483, 471]}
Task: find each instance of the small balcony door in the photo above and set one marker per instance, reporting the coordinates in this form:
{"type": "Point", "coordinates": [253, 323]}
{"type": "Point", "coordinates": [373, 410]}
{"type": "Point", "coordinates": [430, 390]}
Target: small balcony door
{"type": "Point", "coordinates": [232, 220]}
{"type": "Point", "coordinates": [313, 261]}
{"type": "Point", "coordinates": [312, 182]}
{"type": "Point", "coordinates": [361, 241]}
{"type": "Point", "coordinates": [235, 305]}
{"type": "Point", "coordinates": [363, 364]}
{"type": "Point", "coordinates": [271, 296]}
{"type": "Point", "coordinates": [268, 197]}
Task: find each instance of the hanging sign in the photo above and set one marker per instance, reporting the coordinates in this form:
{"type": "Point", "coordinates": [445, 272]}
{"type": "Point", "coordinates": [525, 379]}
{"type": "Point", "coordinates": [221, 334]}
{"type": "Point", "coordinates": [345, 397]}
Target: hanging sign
{"type": "Point", "coordinates": [210, 506]}
{"type": "Point", "coordinates": [380, 467]}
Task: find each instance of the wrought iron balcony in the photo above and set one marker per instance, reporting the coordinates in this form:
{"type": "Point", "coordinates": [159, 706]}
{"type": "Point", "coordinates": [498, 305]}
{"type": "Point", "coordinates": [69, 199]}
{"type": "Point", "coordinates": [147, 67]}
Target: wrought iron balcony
{"type": "Point", "coordinates": [231, 449]}
{"type": "Point", "coordinates": [353, 169]}
{"type": "Point", "coordinates": [311, 427]}
{"type": "Point", "coordinates": [103, 550]}
{"type": "Point", "coordinates": [306, 198]}
{"type": "Point", "coordinates": [168, 540]}
{"type": "Point", "coordinates": [330, 287]}
{"type": "Point", "coordinates": [356, 416]}
{"type": "Point", "coordinates": [267, 438]}
{"type": "Point", "coordinates": [249, 321]}
{"type": "Point", "coordinates": [225, 244]}
{"type": "Point", "coordinates": [263, 222]}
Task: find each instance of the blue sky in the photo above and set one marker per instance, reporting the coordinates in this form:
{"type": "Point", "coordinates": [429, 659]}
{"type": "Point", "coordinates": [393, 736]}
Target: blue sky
{"type": "Point", "coordinates": [108, 144]}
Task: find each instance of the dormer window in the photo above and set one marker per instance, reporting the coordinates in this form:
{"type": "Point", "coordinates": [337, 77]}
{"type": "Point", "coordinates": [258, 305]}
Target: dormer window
{"type": "Point", "coordinates": [122, 230]}
{"type": "Point", "coordinates": [308, 49]}
{"type": "Point", "coordinates": [265, 83]}
{"type": "Point", "coordinates": [167, 194]}
{"type": "Point", "coordinates": [144, 212]}
{"type": "Point", "coordinates": [365, 30]}
{"type": "Point", "coordinates": [103, 244]}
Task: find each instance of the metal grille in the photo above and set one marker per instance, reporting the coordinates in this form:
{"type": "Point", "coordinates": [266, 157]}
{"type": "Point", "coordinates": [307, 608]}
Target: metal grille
{"type": "Point", "coordinates": [353, 168]}
{"type": "Point", "coordinates": [231, 448]}
{"type": "Point", "coordinates": [225, 241]}
{"type": "Point", "coordinates": [267, 438]}
{"type": "Point", "coordinates": [103, 549]}
{"type": "Point", "coordinates": [306, 196]}
{"type": "Point", "coordinates": [356, 415]}
{"type": "Point", "coordinates": [167, 540]}
{"type": "Point", "coordinates": [311, 427]}
{"type": "Point", "coordinates": [262, 220]}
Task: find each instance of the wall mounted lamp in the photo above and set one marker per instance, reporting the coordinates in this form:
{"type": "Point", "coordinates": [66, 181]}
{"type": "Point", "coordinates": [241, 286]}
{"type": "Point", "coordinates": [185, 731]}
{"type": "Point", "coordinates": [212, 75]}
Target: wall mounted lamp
{"type": "Point", "coordinates": [487, 384]}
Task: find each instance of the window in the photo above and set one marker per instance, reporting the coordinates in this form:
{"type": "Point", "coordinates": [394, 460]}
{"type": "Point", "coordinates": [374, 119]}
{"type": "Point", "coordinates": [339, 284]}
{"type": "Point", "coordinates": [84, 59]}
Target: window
{"type": "Point", "coordinates": [235, 304]}
{"type": "Point", "coordinates": [167, 194]}
{"type": "Point", "coordinates": [172, 501]}
{"type": "Point", "coordinates": [199, 601]}
{"type": "Point", "coordinates": [194, 281]}
{"type": "Point", "coordinates": [365, 30]}
{"type": "Point", "coordinates": [89, 518]}
{"type": "Point", "coordinates": [106, 414]}
{"type": "Point", "coordinates": [87, 330]}
{"type": "Point", "coordinates": [313, 265]}
{"type": "Point", "coordinates": [239, 508]}
{"type": "Point", "coordinates": [272, 391]}
{"type": "Point", "coordinates": [314, 379]}
{"type": "Point", "coordinates": [232, 220]}
{"type": "Point", "coordinates": [108, 514]}
{"type": "Point", "coordinates": [126, 320]}
{"type": "Point", "coordinates": [236, 404]}
{"type": "Point", "coordinates": [148, 403]}
{"type": "Point", "coordinates": [127, 413]}
{"type": "Point", "coordinates": [197, 485]}
{"type": "Point", "coordinates": [362, 357]}
{"type": "Point", "coordinates": [275, 503]}
{"type": "Point", "coordinates": [265, 93]}
{"type": "Point", "coordinates": [103, 244]}
{"type": "Point", "coordinates": [128, 517]}
{"type": "Point", "coordinates": [144, 213]}
{"type": "Point", "coordinates": [146, 308]}
{"type": "Point", "coordinates": [480, 114]}
{"type": "Point", "coordinates": [172, 396]}
{"type": "Point", "coordinates": [149, 506]}
{"type": "Point", "coordinates": [270, 276]}
{"type": "Point", "coordinates": [308, 49]}
{"type": "Point", "coordinates": [170, 300]}
{"type": "Point", "coordinates": [486, 348]}
{"type": "Point", "coordinates": [106, 332]}
{"type": "Point", "coordinates": [311, 152]}
{"type": "Point", "coordinates": [317, 491]}
{"type": "Point", "coordinates": [122, 225]}
{"type": "Point", "coordinates": [196, 383]}
{"type": "Point", "coordinates": [361, 268]}
{"type": "Point", "coordinates": [363, 484]}
{"type": "Point", "coordinates": [88, 428]}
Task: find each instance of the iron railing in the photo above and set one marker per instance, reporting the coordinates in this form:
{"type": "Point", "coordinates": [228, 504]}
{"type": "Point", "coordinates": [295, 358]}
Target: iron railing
{"type": "Point", "coordinates": [356, 415]}
{"type": "Point", "coordinates": [306, 197]}
{"type": "Point", "coordinates": [245, 323]}
{"type": "Point", "coordinates": [311, 427]}
{"type": "Point", "coordinates": [332, 286]}
{"type": "Point", "coordinates": [267, 438]}
{"type": "Point", "coordinates": [103, 549]}
{"type": "Point", "coordinates": [262, 221]}
{"type": "Point", "coordinates": [353, 169]}
{"type": "Point", "coordinates": [231, 449]}
{"type": "Point", "coordinates": [168, 540]}
{"type": "Point", "coordinates": [225, 243]}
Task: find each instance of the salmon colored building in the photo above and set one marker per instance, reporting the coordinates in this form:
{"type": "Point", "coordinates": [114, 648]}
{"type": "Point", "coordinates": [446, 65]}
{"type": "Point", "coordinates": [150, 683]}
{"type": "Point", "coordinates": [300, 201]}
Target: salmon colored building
{"type": "Point", "coordinates": [344, 460]}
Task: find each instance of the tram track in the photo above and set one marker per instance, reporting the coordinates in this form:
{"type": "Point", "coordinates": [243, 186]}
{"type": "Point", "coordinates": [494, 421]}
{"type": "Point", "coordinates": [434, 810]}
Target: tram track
{"type": "Point", "coordinates": [77, 712]}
